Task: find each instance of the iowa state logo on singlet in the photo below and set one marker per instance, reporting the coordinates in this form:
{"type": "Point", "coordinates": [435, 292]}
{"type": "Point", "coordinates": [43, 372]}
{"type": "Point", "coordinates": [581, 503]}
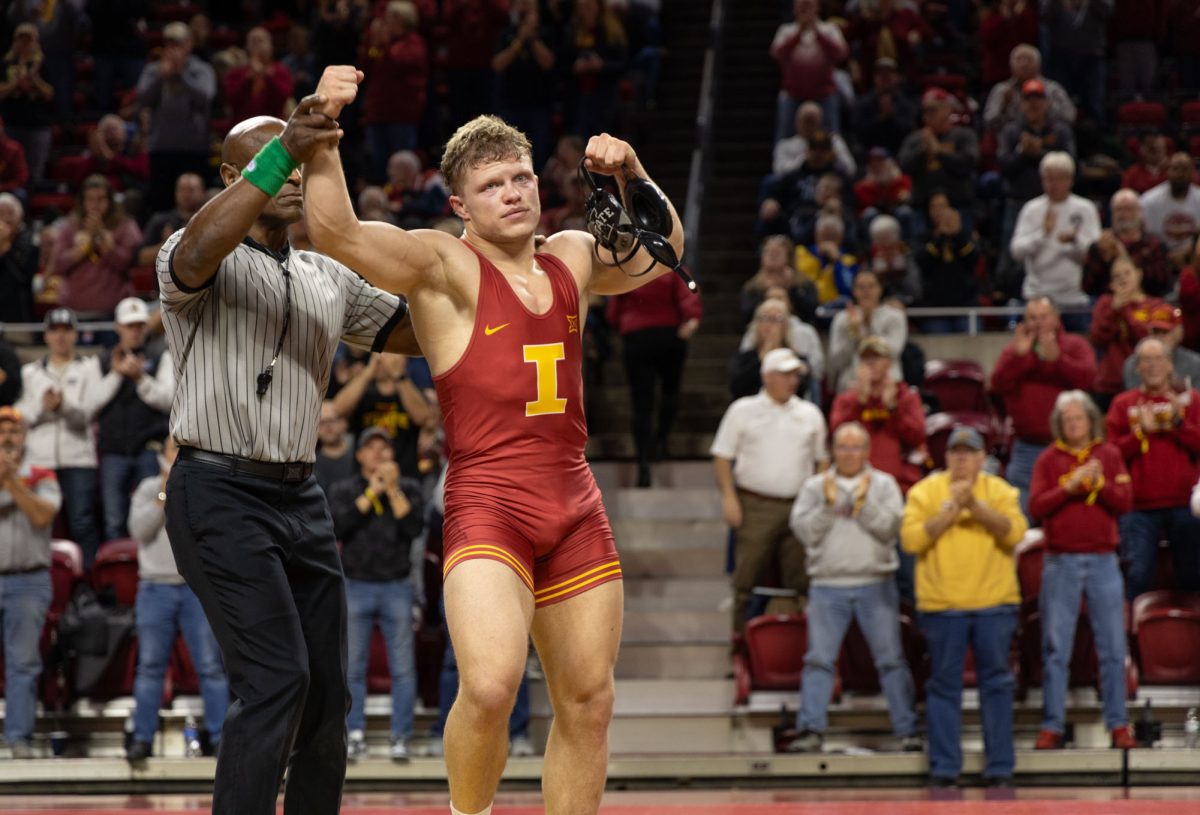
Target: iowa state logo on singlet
{"type": "Point", "coordinates": [546, 357]}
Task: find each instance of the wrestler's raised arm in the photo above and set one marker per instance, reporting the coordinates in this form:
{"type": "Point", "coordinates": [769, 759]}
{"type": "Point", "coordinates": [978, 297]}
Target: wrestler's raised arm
{"type": "Point", "coordinates": [608, 155]}
{"type": "Point", "coordinates": [385, 255]}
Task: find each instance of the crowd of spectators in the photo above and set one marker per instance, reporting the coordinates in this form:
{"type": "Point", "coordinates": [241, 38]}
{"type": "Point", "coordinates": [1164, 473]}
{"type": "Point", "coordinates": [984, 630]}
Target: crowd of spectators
{"type": "Point", "coordinates": [106, 106]}
{"type": "Point", "coordinates": [1007, 177]}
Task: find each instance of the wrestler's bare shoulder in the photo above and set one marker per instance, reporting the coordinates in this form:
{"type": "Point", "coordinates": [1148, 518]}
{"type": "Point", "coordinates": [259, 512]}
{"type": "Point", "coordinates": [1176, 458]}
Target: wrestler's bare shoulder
{"type": "Point", "coordinates": [574, 248]}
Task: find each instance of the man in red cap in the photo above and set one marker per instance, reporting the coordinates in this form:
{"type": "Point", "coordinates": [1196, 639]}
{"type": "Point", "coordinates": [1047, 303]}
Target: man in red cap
{"type": "Point", "coordinates": [1004, 100]}
{"type": "Point", "coordinates": [1156, 426]}
{"type": "Point", "coordinates": [1166, 323]}
{"type": "Point", "coordinates": [941, 155]}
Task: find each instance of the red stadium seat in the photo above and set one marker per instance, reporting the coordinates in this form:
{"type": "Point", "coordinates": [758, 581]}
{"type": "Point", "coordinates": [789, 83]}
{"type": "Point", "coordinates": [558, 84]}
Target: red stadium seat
{"type": "Point", "coordinates": [773, 652]}
{"type": "Point", "coordinates": [70, 170]}
{"type": "Point", "coordinates": [116, 567]}
{"type": "Point", "coordinates": [60, 201]}
{"type": "Point", "coordinates": [66, 569]}
{"type": "Point", "coordinates": [958, 384]}
{"type": "Point", "coordinates": [954, 83]}
{"type": "Point", "coordinates": [171, 12]}
{"type": "Point", "coordinates": [144, 280]}
{"type": "Point", "coordinates": [379, 678]}
{"type": "Point", "coordinates": [1031, 555]}
{"type": "Point", "coordinates": [1194, 146]}
{"type": "Point", "coordinates": [1189, 116]}
{"type": "Point", "coordinates": [1142, 114]}
{"type": "Point", "coordinates": [182, 679]}
{"type": "Point", "coordinates": [939, 425]}
{"type": "Point", "coordinates": [1166, 628]}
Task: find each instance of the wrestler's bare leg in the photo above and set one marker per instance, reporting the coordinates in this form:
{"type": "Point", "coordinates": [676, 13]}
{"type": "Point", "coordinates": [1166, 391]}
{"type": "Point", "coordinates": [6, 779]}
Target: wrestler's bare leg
{"type": "Point", "coordinates": [488, 610]}
{"type": "Point", "coordinates": [577, 641]}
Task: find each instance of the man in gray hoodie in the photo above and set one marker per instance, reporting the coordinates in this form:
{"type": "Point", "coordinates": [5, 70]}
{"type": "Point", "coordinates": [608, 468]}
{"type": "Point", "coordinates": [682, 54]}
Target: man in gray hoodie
{"type": "Point", "coordinates": [848, 519]}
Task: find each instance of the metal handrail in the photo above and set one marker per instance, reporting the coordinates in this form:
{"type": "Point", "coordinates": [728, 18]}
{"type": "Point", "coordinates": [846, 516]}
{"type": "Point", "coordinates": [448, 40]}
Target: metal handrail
{"type": "Point", "coordinates": [700, 168]}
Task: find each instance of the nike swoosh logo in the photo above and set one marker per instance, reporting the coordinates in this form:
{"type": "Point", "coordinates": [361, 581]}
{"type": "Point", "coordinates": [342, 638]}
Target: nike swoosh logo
{"type": "Point", "coordinates": [487, 329]}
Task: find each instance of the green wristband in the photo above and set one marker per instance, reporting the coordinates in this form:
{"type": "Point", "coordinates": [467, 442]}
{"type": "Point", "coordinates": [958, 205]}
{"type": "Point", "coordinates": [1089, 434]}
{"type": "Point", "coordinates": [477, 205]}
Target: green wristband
{"type": "Point", "coordinates": [270, 168]}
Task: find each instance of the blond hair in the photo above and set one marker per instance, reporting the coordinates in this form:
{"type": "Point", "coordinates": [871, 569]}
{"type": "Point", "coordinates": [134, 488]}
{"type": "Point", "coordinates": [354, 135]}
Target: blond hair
{"type": "Point", "coordinates": [482, 140]}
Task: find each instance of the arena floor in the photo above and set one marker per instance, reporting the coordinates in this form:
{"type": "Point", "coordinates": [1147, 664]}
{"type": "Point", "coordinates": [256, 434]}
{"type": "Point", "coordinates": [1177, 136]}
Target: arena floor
{"type": "Point", "coordinates": [1032, 801]}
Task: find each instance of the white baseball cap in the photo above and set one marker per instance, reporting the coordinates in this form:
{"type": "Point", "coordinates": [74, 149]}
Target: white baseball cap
{"type": "Point", "coordinates": [132, 310]}
{"type": "Point", "coordinates": [780, 360]}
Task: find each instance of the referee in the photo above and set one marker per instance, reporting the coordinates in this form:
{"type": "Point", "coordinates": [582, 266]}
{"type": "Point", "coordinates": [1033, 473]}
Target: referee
{"type": "Point", "coordinates": [253, 327]}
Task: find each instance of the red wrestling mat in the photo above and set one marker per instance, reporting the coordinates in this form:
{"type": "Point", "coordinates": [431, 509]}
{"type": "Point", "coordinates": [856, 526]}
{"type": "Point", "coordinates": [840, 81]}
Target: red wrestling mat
{"type": "Point", "coordinates": [1093, 801]}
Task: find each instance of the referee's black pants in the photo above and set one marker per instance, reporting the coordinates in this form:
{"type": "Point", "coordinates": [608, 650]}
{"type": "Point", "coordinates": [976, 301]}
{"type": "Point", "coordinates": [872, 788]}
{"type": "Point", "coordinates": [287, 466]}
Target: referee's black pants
{"type": "Point", "coordinates": [261, 556]}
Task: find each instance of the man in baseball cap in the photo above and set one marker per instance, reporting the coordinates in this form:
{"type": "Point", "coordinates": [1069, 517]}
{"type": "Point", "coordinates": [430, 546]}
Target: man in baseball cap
{"type": "Point", "coordinates": [131, 311]}
{"type": "Point", "coordinates": [136, 394]}
{"type": "Point", "coordinates": [32, 499]}
{"type": "Point", "coordinates": [962, 525]}
{"type": "Point", "coordinates": [1166, 323]}
{"type": "Point", "coordinates": [60, 317]}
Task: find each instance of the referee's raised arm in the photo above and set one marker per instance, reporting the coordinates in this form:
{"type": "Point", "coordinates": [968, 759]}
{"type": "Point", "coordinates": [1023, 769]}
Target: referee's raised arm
{"type": "Point", "coordinates": [223, 222]}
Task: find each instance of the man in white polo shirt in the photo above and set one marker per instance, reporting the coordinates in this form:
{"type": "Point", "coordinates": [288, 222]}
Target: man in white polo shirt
{"type": "Point", "coordinates": [765, 448]}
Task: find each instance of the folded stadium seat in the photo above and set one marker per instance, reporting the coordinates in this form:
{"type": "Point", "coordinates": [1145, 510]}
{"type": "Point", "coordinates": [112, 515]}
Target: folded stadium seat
{"type": "Point", "coordinates": [1031, 554]}
{"type": "Point", "coordinates": [954, 83]}
{"type": "Point", "coordinates": [182, 679]}
{"type": "Point", "coordinates": [84, 68]}
{"type": "Point", "coordinates": [771, 655]}
{"type": "Point", "coordinates": [66, 569]}
{"type": "Point", "coordinates": [144, 281]}
{"type": "Point", "coordinates": [856, 666]}
{"type": "Point", "coordinates": [40, 203]}
{"type": "Point", "coordinates": [1194, 146]}
{"type": "Point", "coordinates": [69, 170]}
{"type": "Point", "coordinates": [939, 425]}
{"type": "Point", "coordinates": [1166, 627]}
{"type": "Point", "coordinates": [959, 384]}
{"type": "Point", "coordinates": [379, 678]}
{"type": "Point", "coordinates": [1164, 568]}
{"type": "Point", "coordinates": [1189, 116]}
{"type": "Point", "coordinates": [1141, 117]}
{"type": "Point", "coordinates": [116, 567]}
{"type": "Point", "coordinates": [172, 12]}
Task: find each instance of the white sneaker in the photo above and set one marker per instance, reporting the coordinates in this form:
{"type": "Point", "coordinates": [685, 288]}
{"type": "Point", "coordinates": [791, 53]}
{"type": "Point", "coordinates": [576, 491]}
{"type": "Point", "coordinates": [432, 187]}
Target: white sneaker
{"type": "Point", "coordinates": [399, 750]}
{"type": "Point", "coordinates": [521, 747]}
{"type": "Point", "coordinates": [356, 746]}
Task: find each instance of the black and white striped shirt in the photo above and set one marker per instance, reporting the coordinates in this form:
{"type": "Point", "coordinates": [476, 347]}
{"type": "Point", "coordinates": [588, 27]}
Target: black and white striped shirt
{"type": "Point", "coordinates": [237, 318]}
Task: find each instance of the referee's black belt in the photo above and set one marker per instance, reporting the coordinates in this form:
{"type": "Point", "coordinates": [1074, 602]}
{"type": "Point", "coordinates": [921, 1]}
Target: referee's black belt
{"type": "Point", "coordinates": [274, 470]}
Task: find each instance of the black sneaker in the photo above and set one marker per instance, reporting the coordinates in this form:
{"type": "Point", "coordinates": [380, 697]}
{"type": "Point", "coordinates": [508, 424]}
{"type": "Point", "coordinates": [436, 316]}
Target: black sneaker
{"type": "Point", "coordinates": [138, 751]}
{"type": "Point", "coordinates": [1002, 782]}
{"type": "Point", "coordinates": [942, 782]}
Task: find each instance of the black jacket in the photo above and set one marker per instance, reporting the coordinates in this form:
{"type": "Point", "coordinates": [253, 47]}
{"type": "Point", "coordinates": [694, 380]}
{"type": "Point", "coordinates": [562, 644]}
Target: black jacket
{"type": "Point", "coordinates": [375, 546]}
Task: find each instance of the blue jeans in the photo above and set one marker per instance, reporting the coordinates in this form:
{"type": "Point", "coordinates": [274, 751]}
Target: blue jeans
{"type": "Point", "coordinates": [119, 477]}
{"type": "Point", "coordinates": [391, 603]}
{"type": "Point", "coordinates": [1064, 579]}
{"type": "Point", "coordinates": [78, 485]}
{"type": "Point", "coordinates": [1020, 469]}
{"type": "Point", "coordinates": [383, 140]}
{"type": "Point", "coordinates": [989, 633]}
{"type": "Point", "coordinates": [876, 607]}
{"type": "Point", "coordinates": [162, 612]}
{"type": "Point", "coordinates": [1141, 530]}
{"type": "Point", "coordinates": [24, 601]}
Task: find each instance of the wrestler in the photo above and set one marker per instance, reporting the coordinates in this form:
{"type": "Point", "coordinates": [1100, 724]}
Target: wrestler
{"type": "Point", "coordinates": [528, 548]}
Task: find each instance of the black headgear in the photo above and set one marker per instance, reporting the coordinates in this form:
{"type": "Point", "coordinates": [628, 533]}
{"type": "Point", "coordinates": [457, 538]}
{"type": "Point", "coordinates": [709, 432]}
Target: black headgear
{"type": "Point", "coordinates": [642, 221]}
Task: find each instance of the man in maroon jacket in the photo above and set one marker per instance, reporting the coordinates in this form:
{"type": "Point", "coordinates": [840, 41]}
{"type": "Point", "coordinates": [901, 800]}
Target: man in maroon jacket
{"type": "Point", "coordinates": [1157, 429]}
{"type": "Point", "coordinates": [1041, 362]}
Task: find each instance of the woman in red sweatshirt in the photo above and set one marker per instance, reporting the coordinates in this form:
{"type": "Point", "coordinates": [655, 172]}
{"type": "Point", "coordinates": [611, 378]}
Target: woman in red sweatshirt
{"type": "Point", "coordinates": [1079, 489]}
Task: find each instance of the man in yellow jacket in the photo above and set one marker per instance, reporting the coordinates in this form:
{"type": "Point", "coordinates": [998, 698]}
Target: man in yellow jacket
{"type": "Point", "coordinates": [962, 524]}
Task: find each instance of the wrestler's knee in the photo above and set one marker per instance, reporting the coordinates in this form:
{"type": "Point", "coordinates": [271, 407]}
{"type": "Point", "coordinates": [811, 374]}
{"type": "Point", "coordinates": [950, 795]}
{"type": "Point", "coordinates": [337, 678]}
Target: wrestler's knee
{"type": "Point", "coordinates": [489, 696]}
{"type": "Point", "coordinates": [586, 708]}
